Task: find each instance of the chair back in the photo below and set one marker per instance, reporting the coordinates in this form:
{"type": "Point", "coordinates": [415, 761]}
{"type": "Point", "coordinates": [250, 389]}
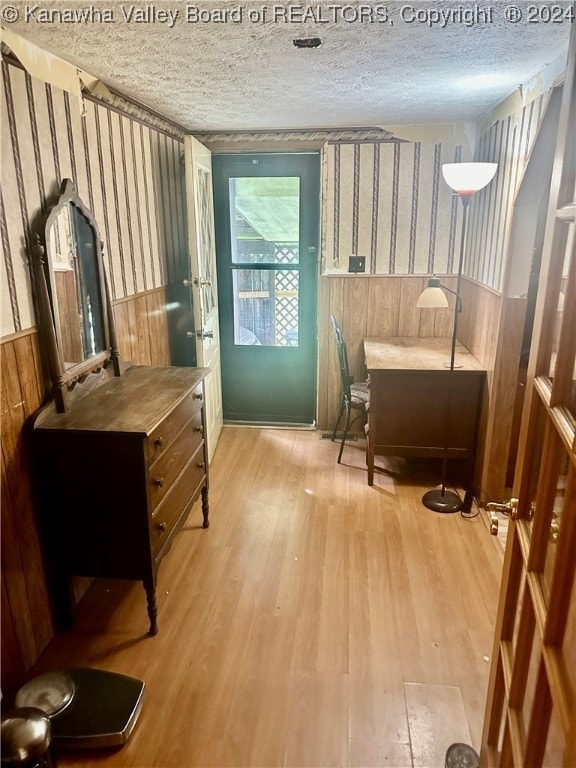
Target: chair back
{"type": "Point", "coordinates": [345, 377]}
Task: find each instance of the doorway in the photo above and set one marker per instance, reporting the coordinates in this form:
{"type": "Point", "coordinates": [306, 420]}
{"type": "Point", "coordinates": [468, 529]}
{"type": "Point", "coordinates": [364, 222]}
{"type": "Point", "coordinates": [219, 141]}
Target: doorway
{"type": "Point", "coordinates": [267, 211]}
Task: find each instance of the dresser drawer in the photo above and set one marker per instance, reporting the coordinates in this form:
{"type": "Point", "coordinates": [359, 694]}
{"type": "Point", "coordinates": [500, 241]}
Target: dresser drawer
{"type": "Point", "coordinates": [167, 514]}
{"type": "Point", "coordinates": [166, 469]}
{"type": "Point", "coordinates": [164, 434]}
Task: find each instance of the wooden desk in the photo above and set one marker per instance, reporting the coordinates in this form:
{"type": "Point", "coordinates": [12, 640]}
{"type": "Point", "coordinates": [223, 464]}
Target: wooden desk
{"type": "Point", "coordinates": [418, 407]}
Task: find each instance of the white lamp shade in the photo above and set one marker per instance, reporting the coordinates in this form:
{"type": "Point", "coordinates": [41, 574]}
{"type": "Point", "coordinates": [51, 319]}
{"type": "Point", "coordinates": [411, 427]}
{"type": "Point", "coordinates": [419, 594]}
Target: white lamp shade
{"type": "Point", "coordinates": [468, 178]}
{"type": "Point", "coordinates": [432, 298]}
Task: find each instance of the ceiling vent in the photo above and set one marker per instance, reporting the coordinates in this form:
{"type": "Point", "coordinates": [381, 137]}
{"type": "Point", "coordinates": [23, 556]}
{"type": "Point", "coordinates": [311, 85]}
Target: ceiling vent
{"type": "Point", "coordinates": [307, 42]}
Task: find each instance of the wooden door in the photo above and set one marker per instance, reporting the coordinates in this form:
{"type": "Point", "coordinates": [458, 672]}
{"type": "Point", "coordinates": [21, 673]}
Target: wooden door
{"type": "Point", "coordinates": [531, 708]}
{"type": "Point", "coordinates": [203, 280]}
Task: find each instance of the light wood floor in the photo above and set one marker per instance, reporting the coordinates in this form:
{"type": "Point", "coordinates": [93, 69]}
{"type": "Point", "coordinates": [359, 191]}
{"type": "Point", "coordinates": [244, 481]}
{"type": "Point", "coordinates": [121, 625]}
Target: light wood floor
{"type": "Point", "coordinates": [317, 622]}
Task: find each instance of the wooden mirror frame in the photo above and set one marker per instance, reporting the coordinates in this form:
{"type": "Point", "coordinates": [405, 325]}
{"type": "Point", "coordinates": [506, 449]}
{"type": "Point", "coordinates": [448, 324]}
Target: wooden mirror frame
{"type": "Point", "coordinates": [63, 379]}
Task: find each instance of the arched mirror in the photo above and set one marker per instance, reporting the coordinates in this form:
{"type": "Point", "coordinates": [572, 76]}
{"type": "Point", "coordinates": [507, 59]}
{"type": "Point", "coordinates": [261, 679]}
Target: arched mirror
{"type": "Point", "coordinates": [73, 299]}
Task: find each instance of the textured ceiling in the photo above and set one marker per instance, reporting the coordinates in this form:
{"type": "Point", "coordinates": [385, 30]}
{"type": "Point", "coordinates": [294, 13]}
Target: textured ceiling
{"type": "Point", "coordinates": [379, 63]}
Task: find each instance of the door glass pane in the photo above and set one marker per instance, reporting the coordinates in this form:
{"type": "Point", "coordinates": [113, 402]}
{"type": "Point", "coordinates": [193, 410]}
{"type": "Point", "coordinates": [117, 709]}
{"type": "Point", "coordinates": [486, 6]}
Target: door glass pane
{"type": "Point", "coordinates": [499, 714]}
{"type": "Point", "coordinates": [206, 242]}
{"type": "Point", "coordinates": [266, 307]}
{"type": "Point", "coordinates": [557, 514]}
{"type": "Point", "coordinates": [563, 299]}
{"type": "Point", "coordinates": [265, 219]}
{"type": "Point", "coordinates": [518, 611]}
{"type": "Point", "coordinates": [531, 679]}
{"type": "Point", "coordinates": [536, 458]}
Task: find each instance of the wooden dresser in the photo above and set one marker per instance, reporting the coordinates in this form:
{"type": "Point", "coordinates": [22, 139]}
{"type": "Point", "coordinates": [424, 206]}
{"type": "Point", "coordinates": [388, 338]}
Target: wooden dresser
{"type": "Point", "coordinates": [119, 473]}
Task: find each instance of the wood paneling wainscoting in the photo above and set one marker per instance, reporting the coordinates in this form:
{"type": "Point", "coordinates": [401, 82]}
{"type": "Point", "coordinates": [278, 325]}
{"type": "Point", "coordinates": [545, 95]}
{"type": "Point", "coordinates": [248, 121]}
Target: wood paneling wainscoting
{"type": "Point", "coordinates": [142, 328]}
{"type": "Point", "coordinates": [27, 626]}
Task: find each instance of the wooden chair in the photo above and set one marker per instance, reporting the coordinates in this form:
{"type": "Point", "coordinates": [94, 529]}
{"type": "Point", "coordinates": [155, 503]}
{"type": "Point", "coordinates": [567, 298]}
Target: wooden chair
{"type": "Point", "coordinates": [355, 396]}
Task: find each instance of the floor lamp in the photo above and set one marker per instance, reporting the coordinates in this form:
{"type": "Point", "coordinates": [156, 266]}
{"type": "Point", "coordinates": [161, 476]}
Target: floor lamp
{"type": "Point", "coordinates": [465, 179]}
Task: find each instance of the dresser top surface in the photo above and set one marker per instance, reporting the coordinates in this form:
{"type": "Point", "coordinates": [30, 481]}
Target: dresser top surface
{"type": "Point", "coordinates": [415, 353]}
{"type": "Point", "coordinates": [132, 403]}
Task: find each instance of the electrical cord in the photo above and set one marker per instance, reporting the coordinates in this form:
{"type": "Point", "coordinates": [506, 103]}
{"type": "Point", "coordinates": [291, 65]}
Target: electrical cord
{"type": "Point", "coordinates": [468, 516]}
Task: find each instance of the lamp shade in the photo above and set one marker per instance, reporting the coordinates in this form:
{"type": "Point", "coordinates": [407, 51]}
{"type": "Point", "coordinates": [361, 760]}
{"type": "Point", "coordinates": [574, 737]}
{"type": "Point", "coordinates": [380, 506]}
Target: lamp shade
{"type": "Point", "coordinates": [468, 178]}
{"type": "Point", "coordinates": [432, 298]}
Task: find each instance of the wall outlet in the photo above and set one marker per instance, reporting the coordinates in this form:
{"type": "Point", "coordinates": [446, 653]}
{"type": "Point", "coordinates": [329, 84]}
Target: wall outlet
{"type": "Point", "coordinates": [357, 264]}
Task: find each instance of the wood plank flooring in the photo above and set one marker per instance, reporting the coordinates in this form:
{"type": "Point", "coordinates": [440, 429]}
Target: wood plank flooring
{"type": "Point", "coordinates": [317, 622]}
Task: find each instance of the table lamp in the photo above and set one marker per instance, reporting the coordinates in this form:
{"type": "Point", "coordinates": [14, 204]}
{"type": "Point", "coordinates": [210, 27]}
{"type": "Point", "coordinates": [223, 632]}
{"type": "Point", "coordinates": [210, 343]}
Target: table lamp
{"type": "Point", "coordinates": [465, 179]}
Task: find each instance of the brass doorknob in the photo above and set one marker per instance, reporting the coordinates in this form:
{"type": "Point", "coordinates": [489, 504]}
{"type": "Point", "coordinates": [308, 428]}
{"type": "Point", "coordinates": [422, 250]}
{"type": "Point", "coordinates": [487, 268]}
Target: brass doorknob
{"type": "Point", "coordinates": [509, 508]}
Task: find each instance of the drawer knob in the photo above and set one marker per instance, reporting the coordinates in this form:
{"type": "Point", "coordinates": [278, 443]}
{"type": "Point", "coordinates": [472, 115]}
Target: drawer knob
{"type": "Point", "coordinates": [162, 526]}
{"type": "Point", "coordinates": [197, 396]}
{"type": "Point", "coordinates": [199, 428]}
{"type": "Point", "coordinates": [159, 481]}
{"type": "Point", "coordinates": [201, 464]}
{"type": "Point", "coordinates": [159, 442]}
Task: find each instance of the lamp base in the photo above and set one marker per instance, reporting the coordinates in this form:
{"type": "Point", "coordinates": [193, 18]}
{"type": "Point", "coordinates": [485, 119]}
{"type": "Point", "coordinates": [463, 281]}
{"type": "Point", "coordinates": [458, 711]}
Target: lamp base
{"type": "Point", "coordinates": [439, 501]}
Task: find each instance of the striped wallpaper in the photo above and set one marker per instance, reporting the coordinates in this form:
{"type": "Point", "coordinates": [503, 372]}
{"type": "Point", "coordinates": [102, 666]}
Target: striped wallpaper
{"type": "Point", "coordinates": [386, 200]}
{"type": "Point", "coordinates": [127, 172]}
{"type": "Point", "coordinates": [508, 142]}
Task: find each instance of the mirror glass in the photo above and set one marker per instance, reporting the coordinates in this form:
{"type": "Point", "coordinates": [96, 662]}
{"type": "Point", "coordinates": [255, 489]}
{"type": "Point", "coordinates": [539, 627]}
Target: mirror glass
{"type": "Point", "coordinates": [76, 288]}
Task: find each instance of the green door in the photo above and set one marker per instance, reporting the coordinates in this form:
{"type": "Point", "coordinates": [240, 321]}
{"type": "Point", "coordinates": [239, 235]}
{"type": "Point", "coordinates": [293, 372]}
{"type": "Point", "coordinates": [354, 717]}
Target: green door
{"type": "Point", "coordinates": [267, 224]}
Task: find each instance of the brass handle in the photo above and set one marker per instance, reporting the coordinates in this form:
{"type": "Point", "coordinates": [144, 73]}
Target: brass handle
{"type": "Point", "coordinates": [197, 396]}
{"type": "Point", "coordinates": [162, 526]}
{"type": "Point", "coordinates": [199, 428]}
{"type": "Point", "coordinates": [493, 523]}
{"type": "Point", "coordinates": [187, 282]}
{"type": "Point", "coordinates": [201, 281]}
{"type": "Point", "coordinates": [510, 507]}
{"type": "Point", "coordinates": [159, 481]}
{"type": "Point", "coordinates": [201, 465]}
{"type": "Point", "coordinates": [159, 442]}
{"type": "Point", "coordinates": [554, 531]}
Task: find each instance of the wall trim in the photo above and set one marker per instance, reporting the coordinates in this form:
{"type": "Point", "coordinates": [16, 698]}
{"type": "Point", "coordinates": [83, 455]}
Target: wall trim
{"type": "Point", "coordinates": [149, 292]}
{"type": "Point", "coordinates": [480, 284]}
{"type": "Point", "coordinates": [318, 135]}
{"type": "Point", "coordinates": [122, 105]}
{"type": "Point", "coordinates": [18, 335]}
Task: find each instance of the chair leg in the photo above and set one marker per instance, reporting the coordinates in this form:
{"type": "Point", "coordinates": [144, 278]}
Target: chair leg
{"type": "Point", "coordinates": [344, 431]}
{"type": "Point", "coordinates": [342, 405]}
